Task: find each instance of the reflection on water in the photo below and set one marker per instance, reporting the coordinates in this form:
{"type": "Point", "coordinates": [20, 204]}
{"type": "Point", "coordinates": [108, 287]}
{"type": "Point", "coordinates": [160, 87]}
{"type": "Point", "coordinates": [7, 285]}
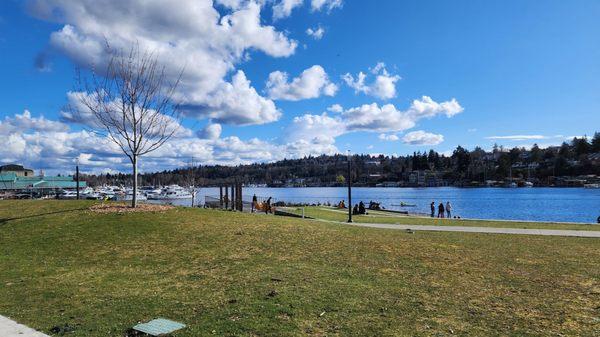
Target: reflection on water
{"type": "Point", "coordinates": [541, 204]}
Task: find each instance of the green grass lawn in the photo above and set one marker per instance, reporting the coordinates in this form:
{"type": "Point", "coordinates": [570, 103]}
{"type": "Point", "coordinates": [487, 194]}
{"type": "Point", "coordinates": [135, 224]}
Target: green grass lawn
{"type": "Point", "coordinates": [231, 274]}
{"type": "Point", "coordinates": [334, 214]}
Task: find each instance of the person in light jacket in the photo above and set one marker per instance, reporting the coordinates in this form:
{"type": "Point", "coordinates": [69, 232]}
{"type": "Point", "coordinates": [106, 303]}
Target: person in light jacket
{"type": "Point", "coordinates": [448, 210]}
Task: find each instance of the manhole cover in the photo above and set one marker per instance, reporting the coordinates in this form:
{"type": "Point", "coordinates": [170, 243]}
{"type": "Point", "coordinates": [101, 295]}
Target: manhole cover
{"type": "Point", "coordinates": [158, 327]}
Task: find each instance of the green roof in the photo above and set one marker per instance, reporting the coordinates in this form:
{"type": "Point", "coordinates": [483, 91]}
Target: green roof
{"type": "Point", "coordinates": [10, 181]}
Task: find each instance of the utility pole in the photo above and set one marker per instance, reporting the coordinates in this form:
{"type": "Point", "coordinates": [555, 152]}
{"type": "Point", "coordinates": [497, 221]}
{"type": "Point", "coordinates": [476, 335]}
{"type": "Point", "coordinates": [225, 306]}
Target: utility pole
{"type": "Point", "coordinates": [77, 176]}
{"type": "Point", "coordinates": [349, 188]}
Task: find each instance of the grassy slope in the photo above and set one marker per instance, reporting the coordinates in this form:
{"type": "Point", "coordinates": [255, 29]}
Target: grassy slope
{"type": "Point", "coordinates": [213, 270]}
{"type": "Point", "coordinates": [327, 213]}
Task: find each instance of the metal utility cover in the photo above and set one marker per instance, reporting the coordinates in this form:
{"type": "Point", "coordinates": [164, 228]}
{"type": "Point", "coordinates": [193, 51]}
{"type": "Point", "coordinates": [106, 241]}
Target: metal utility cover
{"type": "Point", "coordinates": [158, 327]}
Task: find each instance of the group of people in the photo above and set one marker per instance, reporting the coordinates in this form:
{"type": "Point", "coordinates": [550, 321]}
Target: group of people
{"type": "Point", "coordinates": [359, 209]}
{"type": "Point", "coordinates": [264, 206]}
{"type": "Point", "coordinates": [444, 211]}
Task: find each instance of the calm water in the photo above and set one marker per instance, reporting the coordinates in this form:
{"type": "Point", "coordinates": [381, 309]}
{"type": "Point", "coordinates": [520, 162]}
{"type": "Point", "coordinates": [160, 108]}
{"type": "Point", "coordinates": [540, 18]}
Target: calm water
{"type": "Point", "coordinates": [542, 204]}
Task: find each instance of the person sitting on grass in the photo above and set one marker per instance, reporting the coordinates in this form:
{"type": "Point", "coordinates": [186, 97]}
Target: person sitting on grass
{"type": "Point", "coordinates": [361, 208]}
{"type": "Point", "coordinates": [355, 210]}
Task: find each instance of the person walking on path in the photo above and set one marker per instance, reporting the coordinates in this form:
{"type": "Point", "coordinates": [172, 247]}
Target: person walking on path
{"type": "Point", "coordinates": [441, 210]}
{"type": "Point", "coordinates": [254, 202]}
{"type": "Point", "coordinates": [448, 210]}
{"type": "Point", "coordinates": [433, 209]}
{"type": "Point", "coordinates": [268, 206]}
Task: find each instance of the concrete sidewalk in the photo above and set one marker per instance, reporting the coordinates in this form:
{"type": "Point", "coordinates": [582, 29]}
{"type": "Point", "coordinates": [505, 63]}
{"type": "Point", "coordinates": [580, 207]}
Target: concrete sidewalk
{"type": "Point", "coordinates": [10, 328]}
{"type": "Point", "coordinates": [469, 229]}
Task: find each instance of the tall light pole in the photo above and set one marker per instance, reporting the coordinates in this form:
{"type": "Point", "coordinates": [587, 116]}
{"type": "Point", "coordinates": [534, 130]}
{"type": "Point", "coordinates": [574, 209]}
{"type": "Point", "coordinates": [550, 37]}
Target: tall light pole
{"type": "Point", "coordinates": [77, 175]}
{"type": "Point", "coordinates": [349, 188]}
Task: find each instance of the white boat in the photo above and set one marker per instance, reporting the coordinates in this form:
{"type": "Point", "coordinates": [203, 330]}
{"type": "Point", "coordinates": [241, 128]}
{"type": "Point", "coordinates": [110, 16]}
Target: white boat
{"type": "Point", "coordinates": [528, 184]}
{"type": "Point", "coordinates": [152, 192]}
{"type": "Point", "coordinates": [172, 192]}
{"type": "Point", "coordinates": [129, 196]}
{"type": "Point", "coordinates": [68, 195]}
{"type": "Point", "coordinates": [591, 185]}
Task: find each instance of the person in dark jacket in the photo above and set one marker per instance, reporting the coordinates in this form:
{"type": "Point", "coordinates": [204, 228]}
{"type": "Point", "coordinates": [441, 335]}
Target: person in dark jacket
{"type": "Point", "coordinates": [268, 206]}
{"type": "Point", "coordinates": [361, 208]}
{"type": "Point", "coordinates": [433, 209]}
{"type": "Point", "coordinates": [441, 210]}
{"type": "Point", "coordinates": [254, 202]}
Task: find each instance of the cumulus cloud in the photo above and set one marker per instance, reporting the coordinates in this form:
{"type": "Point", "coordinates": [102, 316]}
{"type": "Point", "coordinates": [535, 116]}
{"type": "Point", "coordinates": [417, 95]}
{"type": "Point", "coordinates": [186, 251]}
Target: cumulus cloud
{"type": "Point", "coordinates": [422, 138]}
{"type": "Point", "coordinates": [335, 108]}
{"type": "Point", "coordinates": [79, 113]}
{"type": "Point", "coordinates": [384, 85]}
{"type": "Point", "coordinates": [51, 146]}
{"type": "Point", "coordinates": [427, 108]}
{"type": "Point", "coordinates": [283, 8]}
{"type": "Point", "coordinates": [327, 5]}
{"type": "Point", "coordinates": [316, 33]}
{"type": "Point", "coordinates": [235, 103]}
{"type": "Point", "coordinates": [389, 137]}
{"type": "Point", "coordinates": [312, 83]}
{"type": "Point", "coordinates": [25, 122]}
{"type": "Point", "coordinates": [210, 131]}
{"type": "Point", "coordinates": [191, 35]}
{"type": "Point", "coordinates": [372, 118]}
{"type": "Point", "coordinates": [323, 128]}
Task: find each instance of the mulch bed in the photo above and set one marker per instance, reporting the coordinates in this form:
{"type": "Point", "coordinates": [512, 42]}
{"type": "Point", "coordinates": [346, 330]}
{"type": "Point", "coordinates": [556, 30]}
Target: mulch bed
{"type": "Point", "coordinates": [126, 208]}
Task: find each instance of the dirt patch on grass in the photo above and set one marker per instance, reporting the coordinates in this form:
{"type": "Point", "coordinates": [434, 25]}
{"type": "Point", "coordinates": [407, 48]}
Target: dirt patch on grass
{"type": "Point", "coordinates": [126, 208]}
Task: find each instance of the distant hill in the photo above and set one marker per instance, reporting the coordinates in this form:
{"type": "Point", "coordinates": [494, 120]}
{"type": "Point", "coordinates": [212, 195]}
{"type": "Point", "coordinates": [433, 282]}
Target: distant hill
{"type": "Point", "coordinates": [573, 163]}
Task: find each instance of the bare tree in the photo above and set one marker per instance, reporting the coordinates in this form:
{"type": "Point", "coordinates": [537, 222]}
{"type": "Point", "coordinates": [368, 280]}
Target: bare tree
{"type": "Point", "coordinates": [131, 103]}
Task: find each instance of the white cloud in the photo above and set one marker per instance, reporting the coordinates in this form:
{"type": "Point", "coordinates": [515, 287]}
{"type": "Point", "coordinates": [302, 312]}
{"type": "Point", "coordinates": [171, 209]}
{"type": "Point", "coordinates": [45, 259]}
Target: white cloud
{"type": "Point", "coordinates": [383, 87]}
{"type": "Point", "coordinates": [335, 108]}
{"type": "Point", "coordinates": [427, 108]}
{"type": "Point", "coordinates": [389, 137]}
{"type": "Point", "coordinates": [371, 118]}
{"type": "Point", "coordinates": [210, 131]}
{"type": "Point", "coordinates": [190, 35]}
{"type": "Point", "coordinates": [79, 113]}
{"type": "Point", "coordinates": [323, 128]}
{"type": "Point", "coordinates": [283, 8]}
{"type": "Point", "coordinates": [316, 33]}
{"type": "Point", "coordinates": [55, 149]}
{"type": "Point", "coordinates": [312, 83]}
{"type": "Point", "coordinates": [422, 138]}
{"type": "Point", "coordinates": [328, 5]}
{"type": "Point", "coordinates": [235, 103]}
{"type": "Point", "coordinates": [24, 122]}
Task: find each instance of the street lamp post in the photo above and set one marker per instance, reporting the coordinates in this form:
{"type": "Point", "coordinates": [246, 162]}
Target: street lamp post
{"type": "Point", "coordinates": [77, 176]}
{"type": "Point", "coordinates": [349, 188]}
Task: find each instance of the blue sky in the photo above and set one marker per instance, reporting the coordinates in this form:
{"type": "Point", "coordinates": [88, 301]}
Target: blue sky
{"type": "Point", "coordinates": [529, 69]}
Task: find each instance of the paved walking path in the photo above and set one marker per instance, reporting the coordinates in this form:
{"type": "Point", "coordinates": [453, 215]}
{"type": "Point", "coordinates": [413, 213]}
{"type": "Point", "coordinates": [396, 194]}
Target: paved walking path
{"type": "Point", "coordinates": [10, 328]}
{"type": "Point", "coordinates": [469, 229]}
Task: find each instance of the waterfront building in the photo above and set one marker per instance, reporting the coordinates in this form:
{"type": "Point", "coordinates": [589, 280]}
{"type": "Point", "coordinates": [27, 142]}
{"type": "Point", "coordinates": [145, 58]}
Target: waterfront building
{"type": "Point", "coordinates": [13, 182]}
{"type": "Point", "coordinates": [18, 170]}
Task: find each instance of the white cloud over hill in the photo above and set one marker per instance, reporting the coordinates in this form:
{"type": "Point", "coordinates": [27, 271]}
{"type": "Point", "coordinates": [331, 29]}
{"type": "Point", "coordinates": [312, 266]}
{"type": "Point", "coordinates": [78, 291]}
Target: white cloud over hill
{"type": "Point", "coordinates": [383, 87]}
{"type": "Point", "coordinates": [312, 83]}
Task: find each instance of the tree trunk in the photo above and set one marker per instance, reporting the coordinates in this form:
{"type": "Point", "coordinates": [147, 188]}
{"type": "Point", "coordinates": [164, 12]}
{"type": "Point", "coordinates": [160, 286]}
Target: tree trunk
{"type": "Point", "coordinates": [135, 183]}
